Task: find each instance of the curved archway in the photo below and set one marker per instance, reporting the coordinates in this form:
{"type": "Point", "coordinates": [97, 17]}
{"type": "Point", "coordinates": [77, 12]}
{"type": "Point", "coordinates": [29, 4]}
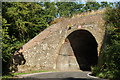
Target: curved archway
{"type": "Point", "coordinates": [84, 46]}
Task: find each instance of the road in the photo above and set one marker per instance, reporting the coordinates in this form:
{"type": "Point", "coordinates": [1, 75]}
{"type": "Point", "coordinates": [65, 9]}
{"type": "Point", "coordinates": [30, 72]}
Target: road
{"type": "Point", "coordinates": [78, 75]}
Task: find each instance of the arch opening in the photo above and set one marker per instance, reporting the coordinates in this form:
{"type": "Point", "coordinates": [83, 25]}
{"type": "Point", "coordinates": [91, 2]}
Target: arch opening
{"type": "Point", "coordinates": [84, 47]}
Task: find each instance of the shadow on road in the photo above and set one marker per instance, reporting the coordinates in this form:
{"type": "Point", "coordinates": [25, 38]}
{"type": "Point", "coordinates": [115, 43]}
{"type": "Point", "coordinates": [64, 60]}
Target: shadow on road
{"type": "Point", "coordinates": [50, 79]}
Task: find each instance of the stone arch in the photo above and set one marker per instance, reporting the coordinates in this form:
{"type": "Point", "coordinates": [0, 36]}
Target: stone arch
{"type": "Point", "coordinates": [48, 50]}
{"type": "Point", "coordinates": [84, 46]}
{"type": "Point", "coordinates": [79, 44]}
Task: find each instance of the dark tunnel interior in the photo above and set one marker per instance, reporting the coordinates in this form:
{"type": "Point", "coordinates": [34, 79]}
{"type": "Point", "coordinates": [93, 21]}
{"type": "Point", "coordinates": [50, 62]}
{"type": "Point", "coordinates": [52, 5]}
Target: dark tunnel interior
{"type": "Point", "coordinates": [84, 46]}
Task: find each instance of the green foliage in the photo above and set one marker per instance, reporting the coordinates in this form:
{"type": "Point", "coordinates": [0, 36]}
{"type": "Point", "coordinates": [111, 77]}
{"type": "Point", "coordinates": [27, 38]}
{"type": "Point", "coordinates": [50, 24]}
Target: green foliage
{"type": "Point", "coordinates": [50, 9]}
{"type": "Point", "coordinates": [24, 19]}
{"type": "Point", "coordinates": [110, 68]}
{"type": "Point", "coordinates": [67, 9]}
{"type": "Point", "coordinates": [20, 22]}
{"type": "Point", "coordinates": [112, 17]}
{"type": "Point", "coordinates": [19, 73]}
{"type": "Point", "coordinates": [91, 6]}
{"type": "Point", "coordinates": [104, 4]}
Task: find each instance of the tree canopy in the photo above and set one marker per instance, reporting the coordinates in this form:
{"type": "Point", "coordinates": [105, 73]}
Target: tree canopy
{"type": "Point", "coordinates": [110, 67]}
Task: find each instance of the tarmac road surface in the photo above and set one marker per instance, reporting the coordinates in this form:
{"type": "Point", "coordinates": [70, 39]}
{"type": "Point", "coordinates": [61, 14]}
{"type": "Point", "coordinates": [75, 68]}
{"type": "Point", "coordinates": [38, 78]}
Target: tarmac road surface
{"type": "Point", "coordinates": [78, 75]}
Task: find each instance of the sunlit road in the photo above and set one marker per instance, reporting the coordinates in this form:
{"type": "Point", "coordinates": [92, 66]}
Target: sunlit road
{"type": "Point", "coordinates": [59, 76]}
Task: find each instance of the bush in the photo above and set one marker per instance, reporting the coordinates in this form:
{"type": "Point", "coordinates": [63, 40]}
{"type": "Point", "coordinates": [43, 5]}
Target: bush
{"type": "Point", "coordinates": [110, 67]}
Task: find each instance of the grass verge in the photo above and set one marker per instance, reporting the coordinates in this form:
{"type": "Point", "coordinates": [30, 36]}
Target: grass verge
{"type": "Point", "coordinates": [12, 75]}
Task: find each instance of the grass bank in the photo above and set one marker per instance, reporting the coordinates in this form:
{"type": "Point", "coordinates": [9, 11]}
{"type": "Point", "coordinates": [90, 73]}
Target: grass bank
{"type": "Point", "coordinates": [15, 75]}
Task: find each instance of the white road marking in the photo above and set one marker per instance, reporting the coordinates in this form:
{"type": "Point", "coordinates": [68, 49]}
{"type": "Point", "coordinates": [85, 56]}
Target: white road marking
{"type": "Point", "coordinates": [88, 74]}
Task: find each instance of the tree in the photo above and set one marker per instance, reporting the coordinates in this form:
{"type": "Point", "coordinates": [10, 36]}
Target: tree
{"type": "Point", "coordinates": [21, 22]}
{"type": "Point", "coordinates": [66, 9]}
{"type": "Point", "coordinates": [104, 4]}
{"type": "Point", "coordinates": [110, 67]}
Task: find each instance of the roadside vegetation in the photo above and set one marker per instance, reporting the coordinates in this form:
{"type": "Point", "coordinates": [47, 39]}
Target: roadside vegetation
{"type": "Point", "coordinates": [110, 66]}
{"type": "Point", "coordinates": [21, 21]}
{"type": "Point", "coordinates": [19, 73]}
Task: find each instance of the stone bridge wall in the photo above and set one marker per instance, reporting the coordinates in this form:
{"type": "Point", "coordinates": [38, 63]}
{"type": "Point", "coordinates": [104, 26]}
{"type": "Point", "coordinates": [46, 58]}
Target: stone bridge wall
{"type": "Point", "coordinates": [41, 52]}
